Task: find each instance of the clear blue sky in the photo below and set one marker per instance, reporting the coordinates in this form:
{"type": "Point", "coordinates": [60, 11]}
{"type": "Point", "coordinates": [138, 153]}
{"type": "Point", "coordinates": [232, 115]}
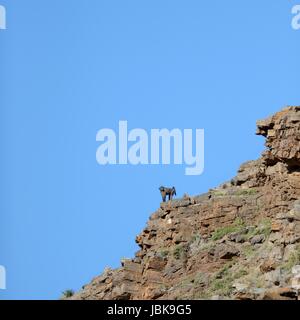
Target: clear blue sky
{"type": "Point", "coordinates": [69, 68]}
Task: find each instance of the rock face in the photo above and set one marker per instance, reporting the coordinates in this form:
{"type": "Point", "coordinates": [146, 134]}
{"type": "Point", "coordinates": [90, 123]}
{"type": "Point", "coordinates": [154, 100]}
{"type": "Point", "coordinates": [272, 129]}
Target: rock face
{"type": "Point", "coordinates": [238, 241]}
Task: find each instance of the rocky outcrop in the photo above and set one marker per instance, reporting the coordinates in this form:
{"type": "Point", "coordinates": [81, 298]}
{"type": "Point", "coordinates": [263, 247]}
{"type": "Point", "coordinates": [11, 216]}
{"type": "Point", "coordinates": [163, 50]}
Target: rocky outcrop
{"type": "Point", "coordinates": [282, 140]}
{"type": "Point", "coordinates": [238, 241]}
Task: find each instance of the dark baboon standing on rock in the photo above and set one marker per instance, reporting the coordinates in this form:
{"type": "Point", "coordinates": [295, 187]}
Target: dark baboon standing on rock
{"type": "Point", "coordinates": [170, 192]}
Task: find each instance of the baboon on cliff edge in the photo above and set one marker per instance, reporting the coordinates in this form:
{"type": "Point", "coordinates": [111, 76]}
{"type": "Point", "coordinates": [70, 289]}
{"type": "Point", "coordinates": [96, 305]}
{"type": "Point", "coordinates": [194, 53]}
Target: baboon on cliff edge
{"type": "Point", "coordinates": [170, 192]}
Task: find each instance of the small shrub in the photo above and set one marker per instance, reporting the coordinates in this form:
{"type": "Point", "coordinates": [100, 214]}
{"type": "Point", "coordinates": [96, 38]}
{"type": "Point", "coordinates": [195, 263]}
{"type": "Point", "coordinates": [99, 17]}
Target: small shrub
{"type": "Point", "coordinates": [224, 271]}
{"type": "Point", "coordinates": [222, 283]}
{"type": "Point", "coordinates": [240, 273]}
{"type": "Point", "coordinates": [237, 226]}
{"type": "Point", "coordinates": [163, 253]}
{"type": "Point", "coordinates": [264, 227]}
{"type": "Point", "coordinates": [68, 293]}
{"type": "Point", "coordinates": [219, 193]}
{"type": "Point", "coordinates": [294, 259]}
{"type": "Point", "coordinates": [178, 252]}
{"type": "Point", "coordinates": [196, 237]}
{"type": "Point", "coordinates": [198, 278]}
{"type": "Point", "coordinates": [246, 192]}
{"type": "Point", "coordinates": [248, 251]}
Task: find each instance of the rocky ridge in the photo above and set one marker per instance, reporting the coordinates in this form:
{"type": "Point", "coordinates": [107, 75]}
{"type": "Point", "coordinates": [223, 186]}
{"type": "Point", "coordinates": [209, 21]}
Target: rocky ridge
{"type": "Point", "coordinates": [238, 241]}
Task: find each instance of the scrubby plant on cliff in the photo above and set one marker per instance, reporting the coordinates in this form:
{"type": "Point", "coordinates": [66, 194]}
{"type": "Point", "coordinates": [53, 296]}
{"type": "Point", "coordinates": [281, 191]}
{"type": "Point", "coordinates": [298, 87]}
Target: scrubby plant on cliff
{"type": "Point", "coordinates": [248, 250]}
{"type": "Point", "coordinates": [178, 252]}
{"type": "Point", "coordinates": [222, 282]}
{"type": "Point", "coordinates": [246, 192]}
{"type": "Point", "coordinates": [219, 193]}
{"type": "Point", "coordinates": [293, 259]}
{"type": "Point", "coordinates": [237, 226]}
{"type": "Point", "coordinates": [264, 227]}
{"type": "Point", "coordinates": [68, 293]}
{"type": "Point", "coordinates": [163, 253]}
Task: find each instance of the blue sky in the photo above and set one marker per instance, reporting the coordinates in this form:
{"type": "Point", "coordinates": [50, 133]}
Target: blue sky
{"type": "Point", "coordinates": [70, 68]}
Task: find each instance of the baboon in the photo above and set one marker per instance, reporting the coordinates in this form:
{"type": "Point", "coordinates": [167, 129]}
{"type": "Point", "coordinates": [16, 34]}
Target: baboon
{"type": "Point", "coordinates": [170, 192]}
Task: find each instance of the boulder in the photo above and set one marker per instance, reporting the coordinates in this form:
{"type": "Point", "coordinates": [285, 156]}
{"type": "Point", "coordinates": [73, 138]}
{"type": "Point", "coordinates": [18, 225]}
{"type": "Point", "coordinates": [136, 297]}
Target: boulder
{"type": "Point", "coordinates": [226, 251]}
{"type": "Point", "coordinates": [260, 238]}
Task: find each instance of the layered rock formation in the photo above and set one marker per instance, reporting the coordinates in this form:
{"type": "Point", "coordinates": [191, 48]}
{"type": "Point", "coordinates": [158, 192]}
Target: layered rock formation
{"type": "Point", "coordinates": [238, 241]}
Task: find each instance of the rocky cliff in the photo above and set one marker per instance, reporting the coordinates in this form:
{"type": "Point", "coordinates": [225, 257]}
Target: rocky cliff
{"type": "Point", "coordinates": [238, 241]}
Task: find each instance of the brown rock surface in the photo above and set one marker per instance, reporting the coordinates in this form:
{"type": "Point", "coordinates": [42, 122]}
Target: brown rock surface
{"type": "Point", "coordinates": [238, 241]}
